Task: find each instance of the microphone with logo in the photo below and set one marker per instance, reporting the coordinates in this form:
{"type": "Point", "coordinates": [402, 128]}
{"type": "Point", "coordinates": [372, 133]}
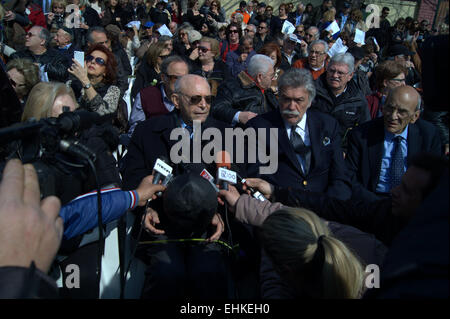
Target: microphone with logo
{"type": "Point", "coordinates": [224, 173]}
{"type": "Point", "coordinates": [162, 171]}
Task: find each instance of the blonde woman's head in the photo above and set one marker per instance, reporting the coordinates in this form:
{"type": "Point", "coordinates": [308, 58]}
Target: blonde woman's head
{"type": "Point", "coordinates": [48, 99]}
{"type": "Point", "coordinates": [305, 252]}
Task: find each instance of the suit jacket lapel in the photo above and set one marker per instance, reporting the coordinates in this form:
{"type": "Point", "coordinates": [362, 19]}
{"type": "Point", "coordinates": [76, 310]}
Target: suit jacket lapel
{"type": "Point", "coordinates": [376, 145]}
{"type": "Point", "coordinates": [414, 141]}
{"type": "Point", "coordinates": [315, 137]}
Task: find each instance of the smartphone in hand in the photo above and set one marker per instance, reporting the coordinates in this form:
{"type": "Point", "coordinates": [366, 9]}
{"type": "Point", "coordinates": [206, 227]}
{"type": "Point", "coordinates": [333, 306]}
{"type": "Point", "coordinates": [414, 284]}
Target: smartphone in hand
{"type": "Point", "coordinates": [79, 57]}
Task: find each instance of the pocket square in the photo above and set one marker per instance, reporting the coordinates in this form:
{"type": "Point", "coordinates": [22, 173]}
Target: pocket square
{"type": "Point", "coordinates": [326, 141]}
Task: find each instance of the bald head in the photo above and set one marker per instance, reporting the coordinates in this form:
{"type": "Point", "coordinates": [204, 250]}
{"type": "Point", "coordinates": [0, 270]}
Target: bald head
{"type": "Point", "coordinates": [192, 97]}
{"type": "Point", "coordinates": [402, 107]}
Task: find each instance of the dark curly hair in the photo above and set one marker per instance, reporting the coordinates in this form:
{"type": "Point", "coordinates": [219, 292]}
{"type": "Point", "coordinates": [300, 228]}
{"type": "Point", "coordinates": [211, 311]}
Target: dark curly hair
{"type": "Point", "coordinates": [111, 63]}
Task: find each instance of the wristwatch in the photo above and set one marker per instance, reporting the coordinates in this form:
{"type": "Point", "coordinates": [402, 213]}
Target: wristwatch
{"type": "Point", "coordinates": [87, 86]}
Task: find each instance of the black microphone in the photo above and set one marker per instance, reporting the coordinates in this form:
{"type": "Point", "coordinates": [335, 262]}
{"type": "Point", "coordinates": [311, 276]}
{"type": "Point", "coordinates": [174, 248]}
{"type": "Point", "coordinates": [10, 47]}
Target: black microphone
{"type": "Point", "coordinates": [78, 120]}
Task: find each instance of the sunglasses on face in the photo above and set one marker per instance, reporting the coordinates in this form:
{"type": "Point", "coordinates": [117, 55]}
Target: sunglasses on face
{"type": "Point", "coordinates": [97, 60]}
{"type": "Point", "coordinates": [196, 99]}
{"type": "Point", "coordinates": [234, 31]}
{"type": "Point", "coordinates": [14, 84]}
{"type": "Point", "coordinates": [203, 49]}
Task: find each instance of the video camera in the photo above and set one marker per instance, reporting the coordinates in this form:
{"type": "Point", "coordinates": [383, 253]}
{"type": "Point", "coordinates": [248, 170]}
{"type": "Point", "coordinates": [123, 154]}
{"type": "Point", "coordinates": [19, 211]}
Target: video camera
{"type": "Point", "coordinates": [52, 146]}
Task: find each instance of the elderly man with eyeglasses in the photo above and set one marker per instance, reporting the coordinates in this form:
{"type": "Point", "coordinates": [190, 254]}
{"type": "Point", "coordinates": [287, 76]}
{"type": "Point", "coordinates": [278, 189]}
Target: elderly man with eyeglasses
{"type": "Point", "coordinates": [339, 96]}
{"type": "Point", "coordinates": [379, 151]}
{"type": "Point", "coordinates": [178, 270]}
{"type": "Point", "coordinates": [37, 50]}
{"type": "Point", "coordinates": [316, 61]}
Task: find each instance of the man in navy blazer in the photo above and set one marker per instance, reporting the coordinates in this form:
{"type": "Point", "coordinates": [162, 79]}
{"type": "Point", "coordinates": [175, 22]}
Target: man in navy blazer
{"type": "Point", "coordinates": [316, 166]}
{"type": "Point", "coordinates": [370, 146]}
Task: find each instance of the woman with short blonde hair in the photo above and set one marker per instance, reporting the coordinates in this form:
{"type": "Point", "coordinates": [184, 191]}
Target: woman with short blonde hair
{"type": "Point", "coordinates": [41, 101]}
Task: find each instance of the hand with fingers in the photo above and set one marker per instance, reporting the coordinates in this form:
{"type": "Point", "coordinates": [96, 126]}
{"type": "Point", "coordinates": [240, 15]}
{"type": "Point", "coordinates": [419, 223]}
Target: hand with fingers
{"type": "Point", "coordinates": [230, 196]}
{"type": "Point", "coordinates": [220, 227]}
{"type": "Point", "coordinates": [30, 229]}
{"type": "Point", "coordinates": [150, 220]}
{"type": "Point", "coordinates": [261, 185]}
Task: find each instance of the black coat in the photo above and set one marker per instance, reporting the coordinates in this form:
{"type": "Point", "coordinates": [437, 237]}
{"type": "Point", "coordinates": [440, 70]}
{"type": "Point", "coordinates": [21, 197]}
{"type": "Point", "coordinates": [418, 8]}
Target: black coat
{"type": "Point", "coordinates": [241, 94]}
{"type": "Point", "coordinates": [350, 109]}
{"type": "Point", "coordinates": [150, 141]}
{"type": "Point", "coordinates": [365, 150]}
{"type": "Point", "coordinates": [327, 173]}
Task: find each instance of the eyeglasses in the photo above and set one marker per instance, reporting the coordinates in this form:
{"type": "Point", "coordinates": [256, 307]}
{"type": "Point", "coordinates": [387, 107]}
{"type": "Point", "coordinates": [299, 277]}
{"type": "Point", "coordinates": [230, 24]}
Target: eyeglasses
{"type": "Point", "coordinates": [203, 49]}
{"type": "Point", "coordinates": [316, 52]}
{"type": "Point", "coordinates": [14, 84]}
{"type": "Point", "coordinates": [97, 60]}
{"type": "Point", "coordinates": [300, 31]}
{"type": "Point", "coordinates": [173, 77]}
{"type": "Point", "coordinates": [248, 30]}
{"type": "Point", "coordinates": [234, 31]}
{"type": "Point", "coordinates": [195, 99]}
{"type": "Point", "coordinates": [260, 27]}
{"type": "Point", "coordinates": [163, 56]}
{"type": "Point", "coordinates": [309, 35]}
{"type": "Point", "coordinates": [398, 80]}
{"type": "Point", "coordinates": [402, 113]}
{"type": "Point", "coordinates": [339, 73]}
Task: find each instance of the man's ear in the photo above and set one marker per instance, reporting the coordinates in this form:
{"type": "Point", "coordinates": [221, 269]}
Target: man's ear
{"type": "Point", "coordinates": [415, 117]}
{"type": "Point", "coordinates": [176, 100]}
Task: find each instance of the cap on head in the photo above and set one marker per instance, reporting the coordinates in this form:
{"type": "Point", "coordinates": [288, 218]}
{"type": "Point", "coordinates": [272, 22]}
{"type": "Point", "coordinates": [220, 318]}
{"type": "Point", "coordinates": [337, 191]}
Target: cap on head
{"type": "Point", "coordinates": [190, 203]}
{"type": "Point", "coordinates": [399, 49]}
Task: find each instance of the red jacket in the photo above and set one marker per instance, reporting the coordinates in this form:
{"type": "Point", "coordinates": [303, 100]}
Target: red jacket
{"type": "Point", "coordinates": [36, 17]}
{"type": "Point", "coordinates": [373, 101]}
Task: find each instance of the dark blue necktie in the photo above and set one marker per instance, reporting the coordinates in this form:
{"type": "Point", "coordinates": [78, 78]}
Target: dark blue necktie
{"type": "Point", "coordinates": [397, 166]}
{"type": "Point", "coordinates": [301, 149]}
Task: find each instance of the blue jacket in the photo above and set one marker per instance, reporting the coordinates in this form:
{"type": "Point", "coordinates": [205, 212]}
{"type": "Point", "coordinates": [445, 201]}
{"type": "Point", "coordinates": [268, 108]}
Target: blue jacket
{"type": "Point", "coordinates": [80, 215]}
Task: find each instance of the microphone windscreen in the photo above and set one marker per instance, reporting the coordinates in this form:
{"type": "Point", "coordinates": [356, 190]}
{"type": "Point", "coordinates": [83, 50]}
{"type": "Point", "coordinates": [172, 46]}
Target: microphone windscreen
{"type": "Point", "coordinates": [223, 159]}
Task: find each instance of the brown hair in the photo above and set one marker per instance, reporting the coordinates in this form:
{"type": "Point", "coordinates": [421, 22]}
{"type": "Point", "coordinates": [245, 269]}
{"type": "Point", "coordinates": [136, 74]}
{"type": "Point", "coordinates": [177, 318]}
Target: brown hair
{"type": "Point", "coordinates": [270, 47]}
{"type": "Point", "coordinates": [388, 70]}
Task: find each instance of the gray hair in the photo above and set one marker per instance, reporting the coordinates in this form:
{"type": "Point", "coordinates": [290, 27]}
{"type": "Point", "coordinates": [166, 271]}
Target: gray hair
{"type": "Point", "coordinates": [322, 42]}
{"type": "Point", "coordinates": [259, 64]}
{"type": "Point", "coordinates": [343, 58]}
{"type": "Point", "coordinates": [172, 59]}
{"type": "Point", "coordinates": [44, 34]}
{"type": "Point", "coordinates": [316, 34]}
{"type": "Point", "coordinates": [95, 29]}
{"type": "Point", "coordinates": [296, 78]}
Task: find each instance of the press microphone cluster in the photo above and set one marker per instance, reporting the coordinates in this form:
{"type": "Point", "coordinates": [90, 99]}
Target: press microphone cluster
{"type": "Point", "coordinates": [225, 175]}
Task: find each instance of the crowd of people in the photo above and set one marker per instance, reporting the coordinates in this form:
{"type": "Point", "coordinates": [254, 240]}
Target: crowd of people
{"type": "Point", "coordinates": [362, 147]}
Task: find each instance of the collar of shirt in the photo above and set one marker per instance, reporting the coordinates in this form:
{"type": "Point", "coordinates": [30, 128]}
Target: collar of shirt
{"type": "Point", "coordinates": [66, 47]}
{"type": "Point", "coordinates": [167, 103]}
{"type": "Point", "coordinates": [301, 128]}
{"type": "Point", "coordinates": [289, 57]}
{"type": "Point", "coordinates": [342, 92]}
{"type": "Point", "coordinates": [388, 136]}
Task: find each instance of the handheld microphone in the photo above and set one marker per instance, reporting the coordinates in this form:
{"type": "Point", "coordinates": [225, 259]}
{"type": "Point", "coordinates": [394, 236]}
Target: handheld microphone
{"type": "Point", "coordinates": [206, 175]}
{"type": "Point", "coordinates": [224, 174]}
{"type": "Point", "coordinates": [256, 194]}
{"type": "Point", "coordinates": [162, 171]}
